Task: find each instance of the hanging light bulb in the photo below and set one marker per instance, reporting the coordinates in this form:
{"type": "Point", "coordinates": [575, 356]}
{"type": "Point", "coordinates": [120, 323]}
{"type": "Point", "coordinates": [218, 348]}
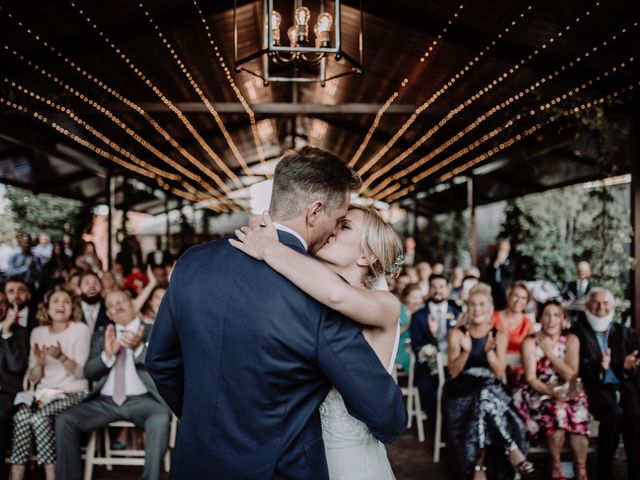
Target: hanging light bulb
{"type": "Point", "coordinates": [325, 20]}
{"type": "Point", "coordinates": [322, 29]}
{"type": "Point", "coordinates": [293, 36]}
{"type": "Point", "coordinates": [301, 19]}
{"type": "Point", "coordinates": [276, 20]}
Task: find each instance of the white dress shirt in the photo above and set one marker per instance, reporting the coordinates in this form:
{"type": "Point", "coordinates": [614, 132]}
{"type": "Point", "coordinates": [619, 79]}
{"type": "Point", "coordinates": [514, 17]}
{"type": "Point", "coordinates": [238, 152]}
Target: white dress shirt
{"type": "Point", "coordinates": [284, 228]}
{"type": "Point", "coordinates": [90, 313]}
{"type": "Point", "coordinates": [133, 384]}
{"type": "Point", "coordinates": [23, 316]}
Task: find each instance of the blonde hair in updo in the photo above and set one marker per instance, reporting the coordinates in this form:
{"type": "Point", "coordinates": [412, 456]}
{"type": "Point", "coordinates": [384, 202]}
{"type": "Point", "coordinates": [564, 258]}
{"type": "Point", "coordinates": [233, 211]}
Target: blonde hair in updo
{"type": "Point", "coordinates": [379, 240]}
{"type": "Point", "coordinates": [482, 289]}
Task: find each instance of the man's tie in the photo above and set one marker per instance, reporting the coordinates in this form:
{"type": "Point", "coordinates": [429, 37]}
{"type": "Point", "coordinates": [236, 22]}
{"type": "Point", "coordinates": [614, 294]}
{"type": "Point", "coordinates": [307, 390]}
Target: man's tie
{"type": "Point", "coordinates": [119, 391]}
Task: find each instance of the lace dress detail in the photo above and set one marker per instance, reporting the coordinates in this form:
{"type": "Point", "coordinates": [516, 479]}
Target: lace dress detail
{"type": "Point", "coordinates": [353, 453]}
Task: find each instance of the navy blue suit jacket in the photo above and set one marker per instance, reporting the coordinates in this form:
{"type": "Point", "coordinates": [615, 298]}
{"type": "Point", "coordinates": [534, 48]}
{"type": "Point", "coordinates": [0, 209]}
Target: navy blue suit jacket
{"type": "Point", "coordinates": [245, 359]}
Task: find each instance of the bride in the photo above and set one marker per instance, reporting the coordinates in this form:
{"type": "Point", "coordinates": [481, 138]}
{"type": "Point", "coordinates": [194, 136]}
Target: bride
{"type": "Point", "coordinates": [349, 278]}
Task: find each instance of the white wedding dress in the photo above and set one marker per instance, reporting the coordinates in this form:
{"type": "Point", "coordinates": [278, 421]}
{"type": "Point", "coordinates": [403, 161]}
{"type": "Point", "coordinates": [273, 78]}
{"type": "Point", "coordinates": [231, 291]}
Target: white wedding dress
{"type": "Point", "coordinates": [352, 452]}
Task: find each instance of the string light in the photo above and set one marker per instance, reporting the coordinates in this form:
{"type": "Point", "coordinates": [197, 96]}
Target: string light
{"type": "Point", "coordinates": [199, 92]}
{"type": "Point", "coordinates": [463, 71]}
{"type": "Point", "coordinates": [479, 120]}
{"type": "Point", "coordinates": [519, 137]}
{"type": "Point", "coordinates": [381, 111]}
{"type": "Point", "coordinates": [171, 106]}
{"type": "Point", "coordinates": [556, 100]}
{"type": "Point", "coordinates": [234, 87]}
{"type": "Point", "coordinates": [97, 150]}
{"type": "Point", "coordinates": [77, 68]}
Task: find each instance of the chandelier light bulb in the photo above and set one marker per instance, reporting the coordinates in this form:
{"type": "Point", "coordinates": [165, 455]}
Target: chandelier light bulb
{"type": "Point", "coordinates": [301, 16]}
{"type": "Point", "coordinates": [292, 34]}
{"type": "Point", "coordinates": [276, 19]}
{"type": "Point", "coordinates": [324, 22]}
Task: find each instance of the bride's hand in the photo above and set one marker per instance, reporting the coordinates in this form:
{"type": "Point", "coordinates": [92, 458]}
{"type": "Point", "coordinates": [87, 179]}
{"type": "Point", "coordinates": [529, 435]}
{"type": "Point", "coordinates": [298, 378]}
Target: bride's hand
{"type": "Point", "coordinates": [254, 241]}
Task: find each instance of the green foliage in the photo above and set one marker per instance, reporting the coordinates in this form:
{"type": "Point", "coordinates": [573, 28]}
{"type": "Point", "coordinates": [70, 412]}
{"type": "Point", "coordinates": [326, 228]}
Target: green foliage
{"type": "Point", "coordinates": [33, 213]}
{"type": "Point", "coordinates": [445, 240]}
{"type": "Point", "coordinates": [553, 230]}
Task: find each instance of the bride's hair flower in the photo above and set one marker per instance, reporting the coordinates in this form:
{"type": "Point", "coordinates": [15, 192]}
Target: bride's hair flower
{"type": "Point", "coordinates": [396, 266]}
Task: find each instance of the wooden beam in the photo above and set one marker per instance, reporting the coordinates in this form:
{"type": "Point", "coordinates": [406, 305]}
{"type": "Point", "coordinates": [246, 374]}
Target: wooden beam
{"type": "Point", "coordinates": [277, 108]}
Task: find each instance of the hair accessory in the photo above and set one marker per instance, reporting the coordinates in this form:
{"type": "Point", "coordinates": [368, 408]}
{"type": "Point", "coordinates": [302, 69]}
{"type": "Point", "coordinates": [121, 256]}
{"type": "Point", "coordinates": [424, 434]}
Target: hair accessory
{"type": "Point", "coordinates": [396, 266]}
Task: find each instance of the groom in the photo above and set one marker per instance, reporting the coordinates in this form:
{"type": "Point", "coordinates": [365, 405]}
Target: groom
{"type": "Point", "coordinates": [244, 358]}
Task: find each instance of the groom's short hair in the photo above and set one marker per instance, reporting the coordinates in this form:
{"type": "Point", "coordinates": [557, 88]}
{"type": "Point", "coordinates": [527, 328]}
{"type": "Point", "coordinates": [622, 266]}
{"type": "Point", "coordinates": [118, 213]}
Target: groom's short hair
{"type": "Point", "coordinates": [309, 174]}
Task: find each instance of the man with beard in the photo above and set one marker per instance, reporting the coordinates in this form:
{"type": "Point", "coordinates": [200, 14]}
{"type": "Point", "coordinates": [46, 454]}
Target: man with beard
{"type": "Point", "coordinates": [609, 367]}
{"type": "Point", "coordinates": [14, 357]}
{"type": "Point", "coordinates": [429, 328]}
{"type": "Point", "coordinates": [21, 311]}
{"type": "Point", "coordinates": [93, 311]}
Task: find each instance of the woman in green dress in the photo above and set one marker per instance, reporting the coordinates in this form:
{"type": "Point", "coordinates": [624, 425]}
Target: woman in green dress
{"type": "Point", "coordinates": [412, 301]}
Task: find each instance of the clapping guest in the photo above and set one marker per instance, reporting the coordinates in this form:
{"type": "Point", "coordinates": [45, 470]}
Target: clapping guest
{"type": "Point", "coordinates": [22, 311]}
{"type": "Point", "coordinates": [14, 356]}
{"type": "Point", "coordinates": [553, 402]}
{"type": "Point", "coordinates": [411, 302]}
{"type": "Point", "coordinates": [88, 260]}
{"type": "Point", "coordinates": [59, 350]}
{"type": "Point", "coordinates": [122, 390]}
{"type": "Point", "coordinates": [609, 368]}
{"type": "Point", "coordinates": [477, 414]}
{"type": "Point", "coordinates": [517, 325]}
{"type": "Point", "coordinates": [148, 302]}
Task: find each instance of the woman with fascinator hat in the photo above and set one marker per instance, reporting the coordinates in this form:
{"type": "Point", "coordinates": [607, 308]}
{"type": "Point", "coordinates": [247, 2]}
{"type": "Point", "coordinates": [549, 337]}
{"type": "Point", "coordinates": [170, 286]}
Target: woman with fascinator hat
{"type": "Point", "coordinates": [347, 275]}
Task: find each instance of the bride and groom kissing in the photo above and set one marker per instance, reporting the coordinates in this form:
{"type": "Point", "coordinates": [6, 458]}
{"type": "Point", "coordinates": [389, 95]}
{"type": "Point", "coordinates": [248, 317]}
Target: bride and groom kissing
{"type": "Point", "coordinates": [275, 348]}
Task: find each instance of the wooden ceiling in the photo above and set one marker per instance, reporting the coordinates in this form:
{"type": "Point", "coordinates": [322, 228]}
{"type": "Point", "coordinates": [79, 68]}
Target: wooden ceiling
{"type": "Point", "coordinates": [551, 47]}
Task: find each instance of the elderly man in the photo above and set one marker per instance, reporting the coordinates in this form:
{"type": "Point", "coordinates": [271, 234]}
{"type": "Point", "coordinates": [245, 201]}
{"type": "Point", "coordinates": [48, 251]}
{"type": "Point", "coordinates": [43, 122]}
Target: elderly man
{"type": "Point", "coordinates": [122, 390]}
{"type": "Point", "coordinates": [577, 289]}
{"type": "Point", "coordinates": [609, 364]}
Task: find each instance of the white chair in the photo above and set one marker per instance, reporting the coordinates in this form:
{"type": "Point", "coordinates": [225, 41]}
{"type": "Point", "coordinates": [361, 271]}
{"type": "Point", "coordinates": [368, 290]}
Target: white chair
{"type": "Point", "coordinates": [112, 457]}
{"type": "Point", "coordinates": [414, 407]}
{"type": "Point", "coordinates": [442, 360]}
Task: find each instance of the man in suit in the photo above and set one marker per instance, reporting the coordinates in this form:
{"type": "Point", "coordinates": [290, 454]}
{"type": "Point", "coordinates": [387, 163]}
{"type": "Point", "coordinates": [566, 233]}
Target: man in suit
{"type": "Point", "coordinates": [22, 310]}
{"type": "Point", "coordinates": [245, 358]}
{"type": "Point", "coordinates": [578, 289]}
{"type": "Point", "coordinates": [94, 313]}
{"type": "Point", "coordinates": [609, 368]}
{"type": "Point", "coordinates": [430, 326]}
{"type": "Point", "coordinates": [14, 357]}
{"type": "Point", "coordinates": [122, 390]}
{"type": "Point", "coordinates": [501, 273]}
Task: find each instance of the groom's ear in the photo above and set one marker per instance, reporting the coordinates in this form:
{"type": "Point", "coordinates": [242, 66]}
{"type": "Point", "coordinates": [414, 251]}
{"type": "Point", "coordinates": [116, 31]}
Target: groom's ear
{"type": "Point", "coordinates": [314, 211]}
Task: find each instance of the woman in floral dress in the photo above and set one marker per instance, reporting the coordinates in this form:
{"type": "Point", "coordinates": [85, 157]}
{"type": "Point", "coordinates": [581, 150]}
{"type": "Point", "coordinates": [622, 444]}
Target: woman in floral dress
{"type": "Point", "coordinates": [552, 402]}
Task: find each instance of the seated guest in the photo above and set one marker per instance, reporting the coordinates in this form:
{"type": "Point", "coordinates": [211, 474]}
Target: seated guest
{"type": "Point", "coordinates": [19, 297]}
{"type": "Point", "coordinates": [457, 276]}
{"type": "Point", "coordinates": [401, 282]}
{"type": "Point", "coordinates": [59, 350]}
{"type": "Point", "coordinates": [424, 272]}
{"type": "Point", "coordinates": [500, 273]}
{"type": "Point", "coordinates": [122, 390]}
{"type": "Point", "coordinates": [609, 370]}
{"type": "Point", "coordinates": [14, 357]}
{"type": "Point", "coordinates": [147, 303]}
{"type": "Point", "coordinates": [578, 289]}
{"type": "Point", "coordinates": [88, 260]}
{"type": "Point", "coordinates": [25, 264]}
{"type": "Point", "coordinates": [476, 408]}
{"type": "Point", "coordinates": [429, 328]}
{"type": "Point", "coordinates": [553, 401]}
{"type": "Point", "coordinates": [517, 325]}
{"type": "Point", "coordinates": [94, 314]}
{"type": "Point", "coordinates": [108, 281]}
{"type": "Point", "coordinates": [411, 302]}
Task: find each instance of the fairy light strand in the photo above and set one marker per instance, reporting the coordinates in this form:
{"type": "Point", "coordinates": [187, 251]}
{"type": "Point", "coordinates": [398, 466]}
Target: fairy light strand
{"type": "Point", "coordinates": [491, 152]}
{"type": "Point", "coordinates": [77, 68]}
{"type": "Point", "coordinates": [192, 130]}
{"type": "Point", "coordinates": [382, 110]}
{"type": "Point", "coordinates": [534, 111]}
{"type": "Point", "coordinates": [501, 78]}
{"type": "Point", "coordinates": [245, 105]}
{"type": "Point", "coordinates": [485, 116]}
{"type": "Point", "coordinates": [196, 87]}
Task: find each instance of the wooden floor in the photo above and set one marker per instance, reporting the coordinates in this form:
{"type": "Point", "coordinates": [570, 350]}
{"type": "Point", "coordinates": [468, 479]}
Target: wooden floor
{"type": "Point", "coordinates": [410, 459]}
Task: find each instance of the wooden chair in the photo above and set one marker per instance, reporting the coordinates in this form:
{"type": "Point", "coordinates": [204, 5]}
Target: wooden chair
{"type": "Point", "coordinates": [442, 360]}
{"type": "Point", "coordinates": [121, 457]}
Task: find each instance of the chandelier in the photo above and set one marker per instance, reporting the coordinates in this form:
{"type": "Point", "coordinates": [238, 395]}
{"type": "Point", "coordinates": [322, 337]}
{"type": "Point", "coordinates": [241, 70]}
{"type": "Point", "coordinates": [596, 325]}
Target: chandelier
{"type": "Point", "coordinates": [304, 54]}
